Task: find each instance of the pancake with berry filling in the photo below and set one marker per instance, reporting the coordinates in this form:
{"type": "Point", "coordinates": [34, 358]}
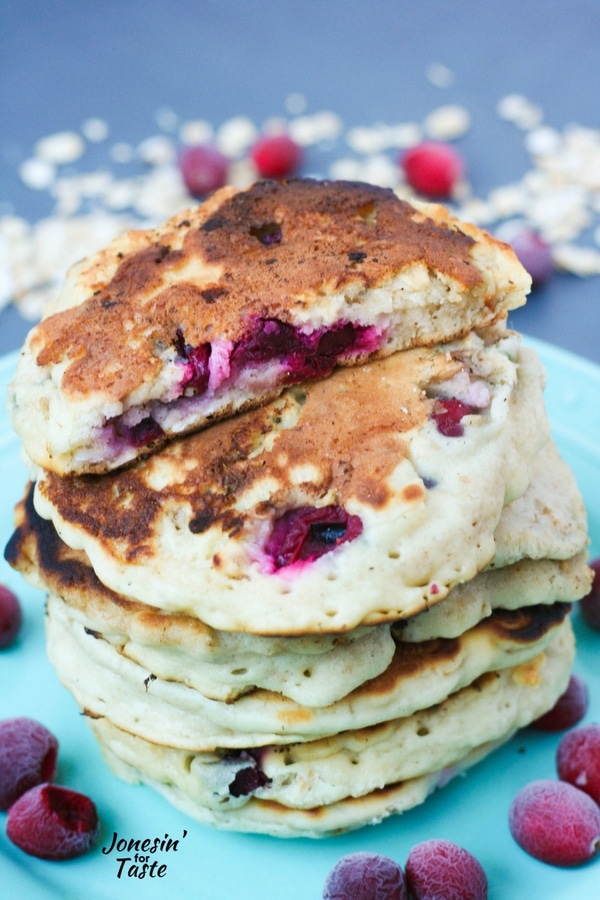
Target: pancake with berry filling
{"type": "Point", "coordinates": [107, 683]}
{"type": "Point", "coordinates": [296, 518]}
{"type": "Point", "coordinates": [222, 306]}
{"type": "Point", "coordinates": [314, 670]}
{"type": "Point", "coordinates": [353, 778]}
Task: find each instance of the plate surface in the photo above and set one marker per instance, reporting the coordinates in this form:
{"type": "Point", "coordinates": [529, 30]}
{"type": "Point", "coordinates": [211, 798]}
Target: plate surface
{"type": "Point", "coordinates": [211, 865]}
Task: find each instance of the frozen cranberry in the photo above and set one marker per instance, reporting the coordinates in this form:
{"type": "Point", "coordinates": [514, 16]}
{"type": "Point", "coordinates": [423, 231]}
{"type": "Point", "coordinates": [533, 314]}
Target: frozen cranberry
{"type": "Point", "coordinates": [53, 822]}
{"type": "Point", "coordinates": [11, 617]}
{"type": "Point", "coordinates": [555, 822]}
{"type": "Point", "coordinates": [578, 759]}
{"type": "Point", "coordinates": [433, 168]}
{"type": "Point", "coordinates": [590, 605]}
{"type": "Point", "coordinates": [448, 414]}
{"type": "Point", "coordinates": [27, 757]}
{"type": "Point", "coordinates": [438, 868]}
{"type": "Point", "coordinates": [534, 254]}
{"type": "Point", "coordinates": [365, 876]}
{"type": "Point", "coordinates": [203, 169]}
{"type": "Point", "coordinates": [276, 156]}
{"type": "Point", "coordinates": [308, 532]}
{"type": "Point", "coordinates": [569, 709]}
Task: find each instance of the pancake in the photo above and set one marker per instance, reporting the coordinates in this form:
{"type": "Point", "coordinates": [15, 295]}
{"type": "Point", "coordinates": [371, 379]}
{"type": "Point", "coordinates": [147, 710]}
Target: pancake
{"type": "Point", "coordinates": [296, 518]}
{"type": "Point", "coordinates": [314, 670]}
{"type": "Point", "coordinates": [106, 683]}
{"type": "Point", "coordinates": [222, 306]}
{"type": "Point", "coordinates": [316, 778]}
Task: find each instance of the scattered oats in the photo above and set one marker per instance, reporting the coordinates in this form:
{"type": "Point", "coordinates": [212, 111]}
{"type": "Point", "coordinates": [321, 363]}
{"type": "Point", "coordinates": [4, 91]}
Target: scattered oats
{"type": "Point", "coordinates": [322, 126]}
{"type": "Point", "coordinates": [166, 119]}
{"type": "Point", "coordinates": [520, 111]}
{"type": "Point", "coordinates": [446, 123]}
{"type": "Point", "coordinates": [560, 215]}
{"type": "Point", "coordinates": [346, 169]}
{"type": "Point", "coordinates": [60, 148]}
{"type": "Point", "coordinates": [380, 170]}
{"type": "Point", "coordinates": [241, 173]}
{"type": "Point", "coordinates": [196, 131]}
{"type": "Point", "coordinates": [120, 194]}
{"type": "Point", "coordinates": [157, 150]}
{"type": "Point", "coordinates": [37, 174]}
{"type": "Point", "coordinates": [507, 200]}
{"type": "Point", "coordinates": [577, 260]}
{"type": "Point", "coordinates": [296, 104]}
{"type": "Point", "coordinates": [439, 75]}
{"type": "Point", "coordinates": [95, 130]}
{"type": "Point", "coordinates": [368, 140]}
{"type": "Point", "coordinates": [543, 141]}
{"type": "Point", "coordinates": [406, 134]}
{"type": "Point", "coordinates": [235, 136]}
{"type": "Point", "coordinates": [121, 153]}
{"type": "Point", "coordinates": [478, 211]}
{"type": "Point", "coordinates": [161, 193]}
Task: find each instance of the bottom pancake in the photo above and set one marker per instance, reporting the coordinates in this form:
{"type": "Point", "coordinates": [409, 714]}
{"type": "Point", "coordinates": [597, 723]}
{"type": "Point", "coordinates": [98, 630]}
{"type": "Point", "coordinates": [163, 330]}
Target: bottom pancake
{"type": "Point", "coordinates": [348, 780]}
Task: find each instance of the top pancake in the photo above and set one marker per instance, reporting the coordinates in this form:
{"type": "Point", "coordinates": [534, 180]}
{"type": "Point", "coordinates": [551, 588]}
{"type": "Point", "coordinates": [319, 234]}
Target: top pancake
{"type": "Point", "coordinates": [347, 269]}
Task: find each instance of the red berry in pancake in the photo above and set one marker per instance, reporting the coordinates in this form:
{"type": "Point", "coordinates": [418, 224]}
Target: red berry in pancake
{"type": "Point", "coordinates": [11, 617]}
{"type": "Point", "coordinates": [439, 868]}
{"type": "Point", "coordinates": [433, 168]}
{"type": "Point", "coordinates": [27, 757]}
{"type": "Point", "coordinates": [53, 822]}
{"type": "Point", "coordinates": [569, 709]}
{"type": "Point", "coordinates": [365, 876]}
{"type": "Point", "coordinates": [204, 169]}
{"type": "Point", "coordinates": [555, 822]}
{"type": "Point", "coordinates": [276, 156]}
{"type": "Point", "coordinates": [578, 759]}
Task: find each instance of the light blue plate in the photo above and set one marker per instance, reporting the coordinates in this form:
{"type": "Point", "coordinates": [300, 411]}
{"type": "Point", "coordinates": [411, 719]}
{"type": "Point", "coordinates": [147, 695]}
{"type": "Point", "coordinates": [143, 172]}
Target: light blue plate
{"type": "Point", "coordinates": [212, 865]}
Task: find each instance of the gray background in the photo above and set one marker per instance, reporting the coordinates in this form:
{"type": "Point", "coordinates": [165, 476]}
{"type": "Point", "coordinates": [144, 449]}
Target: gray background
{"type": "Point", "coordinates": [121, 60]}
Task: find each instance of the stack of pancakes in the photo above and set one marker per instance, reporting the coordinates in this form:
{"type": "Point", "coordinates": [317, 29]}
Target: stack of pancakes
{"type": "Point", "coordinates": [308, 547]}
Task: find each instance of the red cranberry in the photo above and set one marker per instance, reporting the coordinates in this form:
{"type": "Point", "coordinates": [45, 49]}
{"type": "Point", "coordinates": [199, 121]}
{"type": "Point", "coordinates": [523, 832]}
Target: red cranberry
{"type": "Point", "coordinates": [569, 709]}
{"type": "Point", "coordinates": [578, 759]}
{"type": "Point", "coordinates": [53, 822]}
{"type": "Point", "coordinates": [365, 876]}
{"type": "Point", "coordinates": [433, 168]}
{"type": "Point", "coordinates": [448, 414]}
{"type": "Point", "coordinates": [555, 822]}
{"type": "Point", "coordinates": [276, 156]}
{"type": "Point", "coordinates": [204, 169]}
{"type": "Point", "coordinates": [27, 757]}
{"type": "Point", "coordinates": [534, 254]}
{"type": "Point", "coordinates": [590, 605]}
{"type": "Point", "coordinates": [438, 868]}
{"type": "Point", "coordinates": [308, 532]}
{"type": "Point", "coordinates": [11, 617]}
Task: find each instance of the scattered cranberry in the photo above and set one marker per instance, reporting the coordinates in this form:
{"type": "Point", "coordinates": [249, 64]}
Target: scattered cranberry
{"type": "Point", "coordinates": [204, 169]}
{"type": "Point", "coordinates": [438, 868]}
{"type": "Point", "coordinates": [433, 168]}
{"type": "Point", "coordinates": [11, 617]}
{"type": "Point", "coordinates": [276, 156]}
{"type": "Point", "coordinates": [590, 605]}
{"type": "Point", "coordinates": [53, 822]}
{"type": "Point", "coordinates": [578, 759]}
{"type": "Point", "coordinates": [448, 414]}
{"type": "Point", "coordinates": [568, 710]}
{"type": "Point", "coordinates": [555, 822]}
{"type": "Point", "coordinates": [27, 757]}
{"type": "Point", "coordinates": [534, 254]}
{"type": "Point", "coordinates": [365, 876]}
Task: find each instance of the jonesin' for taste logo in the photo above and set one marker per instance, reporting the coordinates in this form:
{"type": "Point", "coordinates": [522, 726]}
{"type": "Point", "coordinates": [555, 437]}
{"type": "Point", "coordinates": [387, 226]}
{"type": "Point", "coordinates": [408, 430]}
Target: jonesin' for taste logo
{"type": "Point", "coordinates": [142, 857]}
